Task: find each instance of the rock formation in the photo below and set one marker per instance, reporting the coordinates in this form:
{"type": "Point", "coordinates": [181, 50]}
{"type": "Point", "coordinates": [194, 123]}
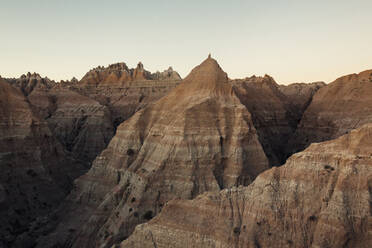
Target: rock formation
{"type": "Point", "coordinates": [73, 118]}
{"type": "Point", "coordinates": [335, 109]}
{"type": "Point", "coordinates": [272, 114]}
{"type": "Point", "coordinates": [321, 197]}
{"type": "Point", "coordinates": [197, 138]}
{"type": "Point", "coordinates": [35, 173]}
{"type": "Point", "coordinates": [119, 74]}
{"type": "Point", "coordinates": [299, 95]}
{"type": "Point", "coordinates": [125, 91]}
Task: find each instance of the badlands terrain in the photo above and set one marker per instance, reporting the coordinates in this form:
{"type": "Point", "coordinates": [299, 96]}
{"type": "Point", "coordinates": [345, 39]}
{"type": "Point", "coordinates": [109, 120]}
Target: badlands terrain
{"type": "Point", "coordinates": [129, 158]}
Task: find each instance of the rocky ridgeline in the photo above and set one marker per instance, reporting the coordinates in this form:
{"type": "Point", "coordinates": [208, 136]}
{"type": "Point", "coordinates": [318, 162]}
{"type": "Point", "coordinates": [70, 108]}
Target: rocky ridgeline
{"type": "Point", "coordinates": [118, 74]}
{"type": "Point", "coordinates": [197, 138]}
{"type": "Point", "coordinates": [79, 126]}
{"type": "Point", "coordinates": [156, 141]}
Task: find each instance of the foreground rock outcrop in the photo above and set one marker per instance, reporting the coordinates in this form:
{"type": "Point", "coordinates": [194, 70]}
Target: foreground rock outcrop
{"type": "Point", "coordinates": [197, 138]}
{"type": "Point", "coordinates": [35, 172]}
{"type": "Point", "coordinates": [335, 109]}
{"type": "Point", "coordinates": [321, 197]}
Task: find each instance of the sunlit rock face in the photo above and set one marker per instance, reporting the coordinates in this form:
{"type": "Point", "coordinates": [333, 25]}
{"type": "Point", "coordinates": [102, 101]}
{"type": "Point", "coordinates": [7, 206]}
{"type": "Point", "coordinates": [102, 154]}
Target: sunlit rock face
{"type": "Point", "coordinates": [197, 138]}
{"type": "Point", "coordinates": [335, 109]}
{"type": "Point", "coordinates": [321, 197]}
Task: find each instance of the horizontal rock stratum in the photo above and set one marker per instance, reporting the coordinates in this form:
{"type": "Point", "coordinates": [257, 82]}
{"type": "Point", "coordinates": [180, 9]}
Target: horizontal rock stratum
{"type": "Point", "coordinates": [321, 197]}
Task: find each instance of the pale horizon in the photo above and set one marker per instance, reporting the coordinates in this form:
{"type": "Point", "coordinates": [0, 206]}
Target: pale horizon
{"type": "Point", "coordinates": [292, 41]}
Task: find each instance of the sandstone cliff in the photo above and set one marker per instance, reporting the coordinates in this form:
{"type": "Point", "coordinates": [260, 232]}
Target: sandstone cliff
{"type": "Point", "coordinates": [197, 138]}
{"type": "Point", "coordinates": [321, 197]}
{"type": "Point", "coordinates": [335, 109]}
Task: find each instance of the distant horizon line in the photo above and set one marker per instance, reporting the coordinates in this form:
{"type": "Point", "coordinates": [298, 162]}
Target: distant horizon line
{"type": "Point", "coordinates": [120, 62]}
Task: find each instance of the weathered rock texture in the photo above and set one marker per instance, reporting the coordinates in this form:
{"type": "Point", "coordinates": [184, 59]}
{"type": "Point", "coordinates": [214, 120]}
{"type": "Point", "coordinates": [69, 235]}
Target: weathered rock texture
{"type": "Point", "coordinates": [81, 124]}
{"type": "Point", "coordinates": [197, 138]}
{"type": "Point", "coordinates": [125, 91]}
{"type": "Point", "coordinates": [321, 197]}
{"type": "Point", "coordinates": [35, 173]}
{"type": "Point", "coordinates": [299, 95]}
{"type": "Point", "coordinates": [119, 74]}
{"type": "Point", "coordinates": [335, 109]}
{"type": "Point", "coordinates": [272, 114]}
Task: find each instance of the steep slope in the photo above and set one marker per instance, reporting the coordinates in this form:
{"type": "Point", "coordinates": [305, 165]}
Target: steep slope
{"type": "Point", "coordinates": [125, 91]}
{"type": "Point", "coordinates": [321, 197]}
{"type": "Point", "coordinates": [35, 175]}
{"type": "Point", "coordinates": [272, 114]}
{"type": "Point", "coordinates": [81, 124]}
{"type": "Point", "coordinates": [335, 109]}
{"type": "Point", "coordinates": [299, 95]}
{"type": "Point", "coordinates": [197, 138]}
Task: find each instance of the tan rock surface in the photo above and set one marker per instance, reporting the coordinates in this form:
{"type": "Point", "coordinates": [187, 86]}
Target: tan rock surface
{"type": "Point", "coordinates": [197, 138]}
{"type": "Point", "coordinates": [335, 109]}
{"type": "Point", "coordinates": [321, 197]}
{"type": "Point", "coordinates": [125, 91]}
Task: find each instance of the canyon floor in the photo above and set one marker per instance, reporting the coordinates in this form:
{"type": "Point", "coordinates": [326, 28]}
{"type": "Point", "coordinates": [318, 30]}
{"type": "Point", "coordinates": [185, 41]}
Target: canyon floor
{"type": "Point", "coordinates": [129, 158]}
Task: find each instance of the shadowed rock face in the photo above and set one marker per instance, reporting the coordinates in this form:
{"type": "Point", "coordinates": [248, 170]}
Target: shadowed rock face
{"type": "Point", "coordinates": [82, 125]}
{"type": "Point", "coordinates": [299, 96]}
{"type": "Point", "coordinates": [271, 112]}
{"type": "Point", "coordinates": [336, 108]}
{"type": "Point", "coordinates": [35, 173]}
{"type": "Point", "coordinates": [197, 138]}
{"type": "Point", "coordinates": [321, 197]}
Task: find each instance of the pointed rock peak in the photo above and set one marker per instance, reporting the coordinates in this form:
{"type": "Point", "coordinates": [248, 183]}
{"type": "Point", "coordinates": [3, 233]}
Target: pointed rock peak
{"type": "Point", "coordinates": [209, 71]}
{"type": "Point", "coordinates": [208, 77]}
{"type": "Point", "coordinates": [140, 66]}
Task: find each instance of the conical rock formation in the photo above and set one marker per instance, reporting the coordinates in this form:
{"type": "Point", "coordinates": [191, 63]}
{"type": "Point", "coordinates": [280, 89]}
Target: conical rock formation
{"type": "Point", "coordinates": [197, 138]}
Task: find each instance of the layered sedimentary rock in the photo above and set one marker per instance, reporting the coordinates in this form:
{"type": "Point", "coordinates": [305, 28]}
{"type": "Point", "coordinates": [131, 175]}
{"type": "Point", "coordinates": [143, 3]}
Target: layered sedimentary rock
{"type": "Point", "coordinates": [299, 95]}
{"type": "Point", "coordinates": [321, 197]}
{"type": "Point", "coordinates": [197, 138]}
{"type": "Point", "coordinates": [81, 124]}
{"type": "Point", "coordinates": [272, 114]}
{"type": "Point", "coordinates": [335, 109]}
{"type": "Point", "coordinates": [119, 74]}
{"type": "Point", "coordinates": [35, 173]}
{"type": "Point", "coordinates": [125, 91]}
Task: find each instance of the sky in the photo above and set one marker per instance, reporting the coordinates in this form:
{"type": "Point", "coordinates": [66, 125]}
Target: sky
{"type": "Point", "coordinates": [291, 40]}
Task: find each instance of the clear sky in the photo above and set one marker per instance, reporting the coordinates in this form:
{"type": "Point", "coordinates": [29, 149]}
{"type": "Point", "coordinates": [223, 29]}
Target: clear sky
{"type": "Point", "coordinates": [293, 41]}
